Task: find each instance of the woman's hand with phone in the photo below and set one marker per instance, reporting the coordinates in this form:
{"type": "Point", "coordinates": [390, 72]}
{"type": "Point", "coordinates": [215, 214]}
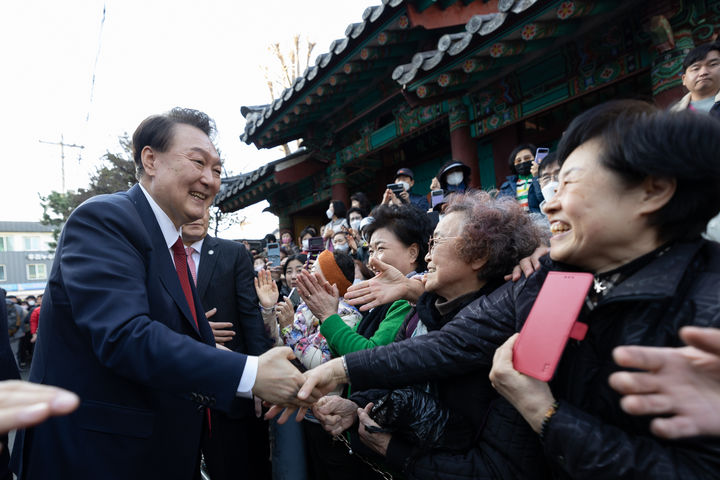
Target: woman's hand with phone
{"type": "Point", "coordinates": [285, 312]}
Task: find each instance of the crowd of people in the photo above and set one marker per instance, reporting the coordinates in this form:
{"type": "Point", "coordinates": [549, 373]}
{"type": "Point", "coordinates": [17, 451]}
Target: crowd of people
{"type": "Point", "coordinates": [386, 342]}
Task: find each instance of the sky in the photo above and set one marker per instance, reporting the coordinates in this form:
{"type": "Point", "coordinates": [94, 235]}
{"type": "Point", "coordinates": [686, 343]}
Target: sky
{"type": "Point", "coordinates": [145, 57]}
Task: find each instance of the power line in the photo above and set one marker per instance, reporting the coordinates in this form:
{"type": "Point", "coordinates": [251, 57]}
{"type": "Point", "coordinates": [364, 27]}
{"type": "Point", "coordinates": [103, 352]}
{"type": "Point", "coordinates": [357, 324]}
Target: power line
{"type": "Point", "coordinates": [62, 155]}
{"type": "Point", "coordinates": [97, 57]}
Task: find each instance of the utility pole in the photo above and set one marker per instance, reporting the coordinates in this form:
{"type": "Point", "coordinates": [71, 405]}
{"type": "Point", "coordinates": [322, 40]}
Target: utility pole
{"type": "Point", "coordinates": [62, 155]}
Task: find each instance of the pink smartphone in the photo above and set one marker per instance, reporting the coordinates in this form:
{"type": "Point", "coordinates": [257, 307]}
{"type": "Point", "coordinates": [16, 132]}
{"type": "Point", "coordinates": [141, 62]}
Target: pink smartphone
{"type": "Point", "coordinates": [552, 320]}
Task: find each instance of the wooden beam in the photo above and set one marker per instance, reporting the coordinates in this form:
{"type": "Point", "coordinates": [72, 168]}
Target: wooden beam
{"type": "Point", "coordinates": [540, 30]}
{"type": "Point", "coordinates": [427, 90]}
{"type": "Point", "coordinates": [452, 78]}
{"type": "Point", "coordinates": [507, 49]}
{"type": "Point", "coordinates": [581, 8]}
{"type": "Point", "coordinates": [394, 37]}
{"type": "Point", "coordinates": [327, 90]}
{"type": "Point", "coordinates": [335, 80]}
{"type": "Point", "coordinates": [390, 51]}
{"type": "Point", "coordinates": [480, 64]}
{"type": "Point", "coordinates": [356, 67]}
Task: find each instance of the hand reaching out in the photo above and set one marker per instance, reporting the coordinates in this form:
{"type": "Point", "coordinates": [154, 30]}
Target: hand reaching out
{"type": "Point", "coordinates": [278, 380]}
{"type": "Point", "coordinates": [681, 384]}
{"type": "Point", "coordinates": [387, 286]}
{"type": "Point", "coordinates": [24, 404]}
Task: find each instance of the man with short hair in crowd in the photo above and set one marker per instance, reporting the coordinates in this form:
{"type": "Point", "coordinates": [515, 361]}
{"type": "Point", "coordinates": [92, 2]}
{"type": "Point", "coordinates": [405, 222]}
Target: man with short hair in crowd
{"type": "Point", "coordinates": [701, 77]}
{"type": "Point", "coordinates": [406, 178]}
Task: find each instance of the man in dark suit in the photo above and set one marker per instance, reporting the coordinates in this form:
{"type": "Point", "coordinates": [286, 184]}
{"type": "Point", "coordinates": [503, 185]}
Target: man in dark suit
{"type": "Point", "coordinates": [124, 329]}
{"type": "Point", "coordinates": [223, 270]}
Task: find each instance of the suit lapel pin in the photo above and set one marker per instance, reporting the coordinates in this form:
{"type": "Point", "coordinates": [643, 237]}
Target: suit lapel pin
{"type": "Point", "coordinates": [210, 252]}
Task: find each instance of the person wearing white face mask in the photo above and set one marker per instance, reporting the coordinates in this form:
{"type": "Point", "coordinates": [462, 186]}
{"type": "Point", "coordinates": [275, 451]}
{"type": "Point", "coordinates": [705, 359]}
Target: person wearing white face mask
{"type": "Point", "coordinates": [454, 176]}
{"type": "Point", "coordinates": [305, 236]}
{"type": "Point", "coordinates": [336, 213]}
{"type": "Point", "coordinates": [358, 245]}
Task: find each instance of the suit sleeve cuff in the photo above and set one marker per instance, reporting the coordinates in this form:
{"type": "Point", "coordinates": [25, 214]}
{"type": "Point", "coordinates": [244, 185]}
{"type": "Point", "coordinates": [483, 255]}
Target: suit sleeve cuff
{"type": "Point", "coordinates": [247, 381]}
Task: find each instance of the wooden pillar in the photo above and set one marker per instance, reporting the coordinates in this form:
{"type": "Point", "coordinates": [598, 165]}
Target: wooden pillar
{"type": "Point", "coordinates": [285, 221]}
{"type": "Point", "coordinates": [669, 50]}
{"type": "Point", "coordinates": [463, 147]}
{"type": "Point", "coordinates": [338, 185]}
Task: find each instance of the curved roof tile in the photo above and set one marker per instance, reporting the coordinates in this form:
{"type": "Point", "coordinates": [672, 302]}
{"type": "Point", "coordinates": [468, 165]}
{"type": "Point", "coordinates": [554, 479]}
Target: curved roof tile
{"type": "Point", "coordinates": [403, 74]}
{"type": "Point", "coordinates": [400, 70]}
{"type": "Point", "coordinates": [456, 43]}
{"type": "Point", "coordinates": [448, 39]}
{"type": "Point", "coordinates": [433, 60]}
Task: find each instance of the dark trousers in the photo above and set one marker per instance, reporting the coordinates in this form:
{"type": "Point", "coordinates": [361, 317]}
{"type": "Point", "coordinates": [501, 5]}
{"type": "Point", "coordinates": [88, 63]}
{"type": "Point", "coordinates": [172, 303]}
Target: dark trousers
{"type": "Point", "coordinates": [237, 448]}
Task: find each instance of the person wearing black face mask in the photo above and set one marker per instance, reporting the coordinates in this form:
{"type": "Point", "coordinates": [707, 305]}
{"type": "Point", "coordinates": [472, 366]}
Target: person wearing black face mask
{"type": "Point", "coordinates": [522, 184]}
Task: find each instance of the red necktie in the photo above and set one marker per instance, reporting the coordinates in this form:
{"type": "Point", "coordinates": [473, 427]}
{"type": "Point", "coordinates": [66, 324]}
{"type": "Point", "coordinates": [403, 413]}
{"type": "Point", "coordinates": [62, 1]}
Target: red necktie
{"type": "Point", "coordinates": [181, 266]}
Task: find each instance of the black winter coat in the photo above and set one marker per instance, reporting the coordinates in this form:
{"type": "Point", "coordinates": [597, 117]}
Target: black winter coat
{"type": "Point", "coordinates": [590, 436]}
{"type": "Point", "coordinates": [504, 446]}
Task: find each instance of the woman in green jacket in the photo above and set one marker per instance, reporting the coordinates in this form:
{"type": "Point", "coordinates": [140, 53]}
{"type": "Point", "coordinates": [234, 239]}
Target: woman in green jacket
{"type": "Point", "coordinates": [399, 237]}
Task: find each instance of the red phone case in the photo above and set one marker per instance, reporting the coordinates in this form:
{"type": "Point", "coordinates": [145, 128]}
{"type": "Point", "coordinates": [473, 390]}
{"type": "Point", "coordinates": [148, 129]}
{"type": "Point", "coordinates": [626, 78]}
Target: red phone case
{"type": "Point", "coordinates": [552, 320]}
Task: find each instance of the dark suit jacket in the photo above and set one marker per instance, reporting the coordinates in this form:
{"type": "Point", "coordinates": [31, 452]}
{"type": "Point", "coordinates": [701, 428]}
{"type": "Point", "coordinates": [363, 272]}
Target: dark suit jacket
{"type": "Point", "coordinates": [225, 281]}
{"type": "Point", "coordinates": [118, 331]}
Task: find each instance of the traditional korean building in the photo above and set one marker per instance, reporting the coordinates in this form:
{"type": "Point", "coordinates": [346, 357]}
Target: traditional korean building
{"type": "Point", "coordinates": [419, 82]}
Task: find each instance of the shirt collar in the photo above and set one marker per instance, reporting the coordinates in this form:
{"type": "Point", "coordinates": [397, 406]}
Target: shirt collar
{"type": "Point", "coordinates": [170, 233]}
{"type": "Point", "coordinates": [198, 245]}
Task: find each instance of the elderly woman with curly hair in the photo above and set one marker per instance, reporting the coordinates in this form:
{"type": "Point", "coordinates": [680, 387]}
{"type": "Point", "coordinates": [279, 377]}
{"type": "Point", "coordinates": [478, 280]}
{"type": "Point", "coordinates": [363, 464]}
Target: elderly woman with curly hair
{"type": "Point", "coordinates": [477, 241]}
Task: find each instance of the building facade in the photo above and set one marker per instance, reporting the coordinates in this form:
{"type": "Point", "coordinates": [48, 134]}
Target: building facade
{"type": "Point", "coordinates": [420, 82]}
{"type": "Point", "coordinates": [25, 257]}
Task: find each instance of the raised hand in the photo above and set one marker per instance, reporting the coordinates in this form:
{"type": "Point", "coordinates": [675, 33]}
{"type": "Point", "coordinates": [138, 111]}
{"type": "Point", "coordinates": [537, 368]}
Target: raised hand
{"type": "Point", "coordinates": [321, 298]}
{"type": "Point", "coordinates": [266, 289]}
